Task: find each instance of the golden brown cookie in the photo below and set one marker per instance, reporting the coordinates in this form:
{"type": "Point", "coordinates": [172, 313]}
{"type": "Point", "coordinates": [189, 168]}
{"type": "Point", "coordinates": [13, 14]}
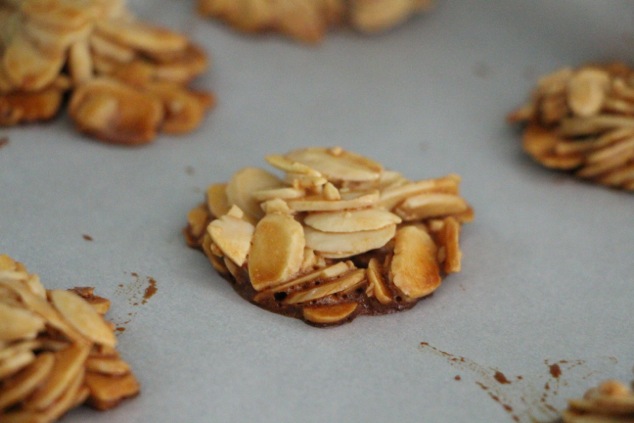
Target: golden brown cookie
{"type": "Point", "coordinates": [56, 350]}
{"type": "Point", "coordinates": [582, 121]}
{"type": "Point", "coordinates": [333, 237]}
{"type": "Point", "coordinates": [309, 20]}
{"type": "Point", "coordinates": [97, 50]}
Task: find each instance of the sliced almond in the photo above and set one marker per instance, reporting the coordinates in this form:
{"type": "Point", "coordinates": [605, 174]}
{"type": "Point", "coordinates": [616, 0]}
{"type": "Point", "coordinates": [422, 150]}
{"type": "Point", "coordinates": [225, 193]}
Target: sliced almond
{"type": "Point", "coordinates": [115, 112]}
{"type": "Point", "coordinates": [114, 366]}
{"type": "Point", "coordinates": [25, 382]}
{"type": "Point", "coordinates": [424, 206]}
{"type": "Point", "coordinates": [68, 364]}
{"type": "Point", "coordinates": [335, 244]}
{"type": "Point", "coordinates": [143, 37]}
{"type": "Point", "coordinates": [15, 363]}
{"type": "Point", "coordinates": [587, 91]}
{"type": "Point", "coordinates": [83, 317]}
{"type": "Point", "coordinates": [107, 391]}
{"type": "Point", "coordinates": [277, 251]}
{"type": "Point", "coordinates": [217, 200]}
{"type": "Point", "coordinates": [337, 164]}
{"type": "Point", "coordinates": [233, 236]}
{"type": "Point", "coordinates": [323, 274]}
{"type": "Point", "coordinates": [329, 314]}
{"type": "Point", "coordinates": [18, 323]}
{"type": "Point", "coordinates": [244, 183]}
{"type": "Point", "coordinates": [414, 269]}
{"type": "Point", "coordinates": [393, 195]}
{"type": "Point", "coordinates": [379, 287]}
{"type": "Point", "coordinates": [351, 220]}
{"type": "Point", "coordinates": [345, 282]}
{"type": "Point", "coordinates": [355, 200]}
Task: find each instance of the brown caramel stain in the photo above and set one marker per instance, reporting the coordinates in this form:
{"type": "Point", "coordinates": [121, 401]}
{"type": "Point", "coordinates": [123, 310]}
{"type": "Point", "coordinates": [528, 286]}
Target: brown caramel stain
{"type": "Point", "coordinates": [87, 237]}
{"type": "Point", "coordinates": [4, 141]}
{"type": "Point", "coordinates": [499, 376]}
{"type": "Point", "coordinates": [138, 292]}
{"type": "Point", "coordinates": [457, 377]}
{"type": "Point", "coordinates": [527, 399]}
{"type": "Point", "coordinates": [555, 370]}
{"type": "Point", "coordinates": [150, 290]}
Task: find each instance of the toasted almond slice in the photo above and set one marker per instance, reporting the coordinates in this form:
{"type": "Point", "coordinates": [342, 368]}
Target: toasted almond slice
{"type": "Point", "coordinates": [59, 13]}
{"type": "Point", "coordinates": [372, 16]}
{"type": "Point", "coordinates": [286, 193]}
{"type": "Point", "coordinates": [100, 304]}
{"type": "Point", "coordinates": [347, 281]}
{"type": "Point", "coordinates": [244, 183]}
{"type": "Point", "coordinates": [581, 126]}
{"type": "Point", "coordinates": [277, 251]}
{"type": "Point", "coordinates": [330, 313]}
{"type": "Point", "coordinates": [323, 274]}
{"type": "Point", "coordinates": [69, 363]}
{"type": "Point", "coordinates": [392, 196]}
{"type": "Point", "coordinates": [233, 236]}
{"type": "Point", "coordinates": [42, 308]}
{"type": "Point", "coordinates": [305, 182]}
{"type": "Point", "coordinates": [115, 112]}
{"type": "Point", "coordinates": [15, 363]}
{"type": "Point", "coordinates": [25, 382]}
{"type": "Point", "coordinates": [25, 416]}
{"type": "Point", "coordinates": [103, 47]}
{"type": "Point", "coordinates": [217, 201]}
{"type": "Point", "coordinates": [379, 286]}
{"type": "Point", "coordinates": [12, 348]}
{"type": "Point", "coordinates": [587, 91]}
{"type": "Point", "coordinates": [80, 62]}
{"type": "Point", "coordinates": [338, 165]}
{"type": "Point", "coordinates": [414, 268]}
{"type": "Point", "coordinates": [449, 238]}
{"type": "Point", "coordinates": [329, 243]}
{"type": "Point", "coordinates": [618, 177]}
{"type": "Point", "coordinates": [27, 67]}
{"type": "Point", "coordinates": [354, 200]}
{"type": "Point", "coordinates": [23, 107]}
{"type": "Point", "coordinates": [197, 220]}
{"type": "Point", "coordinates": [107, 391]}
{"type": "Point", "coordinates": [83, 317]}
{"type": "Point", "coordinates": [291, 166]}
{"type": "Point", "coordinates": [18, 323]}
{"type": "Point", "coordinates": [107, 366]}
{"type": "Point", "coordinates": [601, 168]}
{"type": "Point", "coordinates": [183, 110]}
{"type": "Point", "coordinates": [143, 37]}
{"type": "Point", "coordinates": [424, 206]}
{"type": "Point", "coordinates": [540, 143]}
{"type": "Point", "coordinates": [624, 148]}
{"type": "Point", "coordinates": [351, 220]}
{"type": "Point", "coordinates": [67, 399]}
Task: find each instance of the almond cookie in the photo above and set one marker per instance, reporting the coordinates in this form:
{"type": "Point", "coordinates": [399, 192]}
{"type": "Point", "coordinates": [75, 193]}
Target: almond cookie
{"type": "Point", "coordinates": [582, 121]}
{"type": "Point", "coordinates": [334, 236]}
{"type": "Point", "coordinates": [308, 20]}
{"type": "Point", "coordinates": [127, 80]}
{"type": "Point", "coordinates": [56, 350]}
{"type": "Point", "coordinates": [611, 401]}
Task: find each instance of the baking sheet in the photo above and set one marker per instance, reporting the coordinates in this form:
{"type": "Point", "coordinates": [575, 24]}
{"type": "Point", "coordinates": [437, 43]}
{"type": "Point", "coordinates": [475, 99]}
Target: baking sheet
{"type": "Point", "coordinates": [541, 311]}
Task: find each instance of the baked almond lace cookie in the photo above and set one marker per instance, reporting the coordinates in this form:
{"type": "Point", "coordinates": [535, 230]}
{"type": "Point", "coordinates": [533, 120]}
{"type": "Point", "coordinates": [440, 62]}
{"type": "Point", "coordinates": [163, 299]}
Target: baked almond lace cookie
{"type": "Point", "coordinates": [582, 121]}
{"type": "Point", "coordinates": [308, 20]}
{"type": "Point", "coordinates": [127, 80]}
{"type": "Point", "coordinates": [610, 402]}
{"type": "Point", "coordinates": [56, 350]}
{"type": "Point", "coordinates": [334, 237]}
